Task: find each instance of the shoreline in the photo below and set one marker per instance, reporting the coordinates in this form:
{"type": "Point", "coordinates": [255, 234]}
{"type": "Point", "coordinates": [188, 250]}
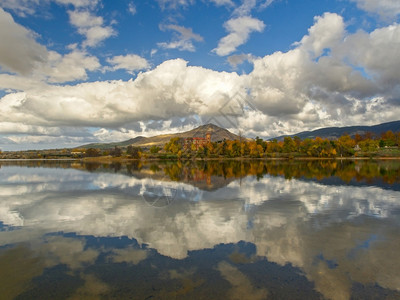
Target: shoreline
{"type": "Point", "coordinates": [107, 159]}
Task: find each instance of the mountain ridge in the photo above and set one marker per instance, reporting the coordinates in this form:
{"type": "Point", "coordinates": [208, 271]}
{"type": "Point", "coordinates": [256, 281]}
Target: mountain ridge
{"type": "Point", "coordinates": [217, 134]}
{"type": "Point", "coordinates": [336, 132]}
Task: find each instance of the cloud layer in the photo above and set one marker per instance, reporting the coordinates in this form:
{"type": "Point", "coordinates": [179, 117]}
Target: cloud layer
{"type": "Point", "coordinates": [329, 77]}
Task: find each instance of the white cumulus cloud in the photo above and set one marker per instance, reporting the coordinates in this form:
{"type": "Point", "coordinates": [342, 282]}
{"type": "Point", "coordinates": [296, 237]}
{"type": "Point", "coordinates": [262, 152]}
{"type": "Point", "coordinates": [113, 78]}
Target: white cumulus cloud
{"type": "Point", "coordinates": [91, 27]}
{"type": "Point", "coordinates": [174, 4]}
{"type": "Point", "coordinates": [183, 40]}
{"type": "Point", "coordinates": [239, 31]}
{"type": "Point", "coordinates": [19, 51]}
{"type": "Point", "coordinates": [330, 78]}
{"type": "Point", "coordinates": [223, 2]}
{"type": "Point", "coordinates": [386, 9]}
{"type": "Point", "coordinates": [132, 8]}
{"type": "Point", "coordinates": [327, 32]}
{"type": "Point", "coordinates": [69, 67]}
{"type": "Point", "coordinates": [24, 8]}
{"type": "Point", "coordinates": [129, 62]}
{"type": "Point", "coordinates": [245, 8]}
{"type": "Point", "coordinates": [170, 90]}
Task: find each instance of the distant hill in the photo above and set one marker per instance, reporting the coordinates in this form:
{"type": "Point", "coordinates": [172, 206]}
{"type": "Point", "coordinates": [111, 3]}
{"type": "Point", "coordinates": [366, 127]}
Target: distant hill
{"type": "Point", "coordinates": [336, 132]}
{"type": "Point", "coordinates": [217, 134]}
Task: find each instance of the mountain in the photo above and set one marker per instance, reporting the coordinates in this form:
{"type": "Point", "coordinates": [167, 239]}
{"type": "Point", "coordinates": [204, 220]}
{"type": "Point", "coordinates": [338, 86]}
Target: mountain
{"type": "Point", "coordinates": [112, 145]}
{"type": "Point", "coordinates": [217, 134]}
{"type": "Point", "coordinates": [336, 132]}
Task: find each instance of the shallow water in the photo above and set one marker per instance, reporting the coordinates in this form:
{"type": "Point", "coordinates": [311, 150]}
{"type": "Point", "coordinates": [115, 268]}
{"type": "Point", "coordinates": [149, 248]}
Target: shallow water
{"type": "Point", "coordinates": [216, 230]}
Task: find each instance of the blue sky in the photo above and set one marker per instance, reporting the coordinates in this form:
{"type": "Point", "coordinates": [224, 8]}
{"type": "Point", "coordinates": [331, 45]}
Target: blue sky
{"type": "Point", "coordinates": [79, 71]}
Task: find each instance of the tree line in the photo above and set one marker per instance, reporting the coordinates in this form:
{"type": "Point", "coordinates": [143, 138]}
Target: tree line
{"type": "Point", "coordinates": [344, 146]}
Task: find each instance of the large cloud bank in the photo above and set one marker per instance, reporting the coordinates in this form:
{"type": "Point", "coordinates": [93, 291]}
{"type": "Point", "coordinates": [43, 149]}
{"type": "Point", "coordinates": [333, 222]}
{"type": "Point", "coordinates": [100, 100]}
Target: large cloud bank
{"type": "Point", "coordinates": [329, 78]}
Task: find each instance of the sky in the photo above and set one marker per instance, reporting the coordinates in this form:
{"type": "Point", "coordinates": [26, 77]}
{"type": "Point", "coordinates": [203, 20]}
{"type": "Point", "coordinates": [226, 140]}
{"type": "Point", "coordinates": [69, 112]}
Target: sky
{"type": "Point", "coordinates": [79, 71]}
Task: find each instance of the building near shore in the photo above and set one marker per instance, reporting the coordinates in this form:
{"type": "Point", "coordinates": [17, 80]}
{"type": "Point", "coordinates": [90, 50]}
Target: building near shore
{"type": "Point", "coordinates": [197, 141]}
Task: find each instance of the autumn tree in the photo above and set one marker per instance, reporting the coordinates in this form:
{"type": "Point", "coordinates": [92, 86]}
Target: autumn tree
{"type": "Point", "coordinates": [358, 138]}
{"type": "Point", "coordinates": [245, 148]}
{"type": "Point", "coordinates": [173, 146]}
{"type": "Point", "coordinates": [327, 149]}
{"type": "Point", "coordinates": [92, 152]}
{"type": "Point", "coordinates": [116, 152]}
{"type": "Point", "coordinates": [193, 147]}
{"type": "Point", "coordinates": [154, 149]}
{"type": "Point", "coordinates": [253, 151]}
{"type": "Point", "coordinates": [134, 152]}
{"type": "Point", "coordinates": [305, 147]}
{"type": "Point", "coordinates": [288, 145]}
{"type": "Point", "coordinates": [210, 148]}
{"type": "Point", "coordinates": [368, 136]}
{"type": "Point", "coordinates": [261, 142]}
{"type": "Point", "coordinates": [297, 142]}
{"type": "Point", "coordinates": [345, 145]}
{"type": "Point", "coordinates": [388, 138]}
{"type": "Point", "coordinates": [274, 147]}
{"type": "Point", "coordinates": [369, 145]}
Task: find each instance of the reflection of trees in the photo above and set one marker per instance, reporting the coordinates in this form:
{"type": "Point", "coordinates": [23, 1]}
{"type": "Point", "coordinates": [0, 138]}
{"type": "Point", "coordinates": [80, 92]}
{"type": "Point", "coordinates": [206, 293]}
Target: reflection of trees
{"type": "Point", "coordinates": [387, 171]}
{"type": "Point", "coordinates": [64, 164]}
{"type": "Point", "coordinates": [116, 166]}
{"type": "Point", "coordinates": [134, 166]}
{"type": "Point", "coordinates": [155, 168]}
{"type": "Point", "coordinates": [347, 170]}
{"type": "Point", "coordinates": [91, 167]}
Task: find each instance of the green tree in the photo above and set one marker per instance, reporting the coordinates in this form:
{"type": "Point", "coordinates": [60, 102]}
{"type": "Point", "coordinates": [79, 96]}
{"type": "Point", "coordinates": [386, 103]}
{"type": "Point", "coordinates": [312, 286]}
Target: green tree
{"type": "Point", "coordinates": [261, 142]}
{"type": "Point", "coordinates": [306, 146]}
{"type": "Point", "coordinates": [297, 141]}
{"type": "Point", "coordinates": [288, 145]}
{"type": "Point", "coordinates": [369, 145]}
{"type": "Point", "coordinates": [154, 149]}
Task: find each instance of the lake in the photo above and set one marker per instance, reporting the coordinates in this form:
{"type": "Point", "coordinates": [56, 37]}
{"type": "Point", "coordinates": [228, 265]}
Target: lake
{"type": "Point", "coordinates": [200, 230]}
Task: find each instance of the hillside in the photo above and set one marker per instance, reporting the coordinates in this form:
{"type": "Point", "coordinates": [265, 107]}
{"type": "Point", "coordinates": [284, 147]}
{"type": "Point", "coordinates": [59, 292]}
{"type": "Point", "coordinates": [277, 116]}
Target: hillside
{"type": "Point", "coordinates": [336, 132]}
{"type": "Point", "coordinates": [217, 134]}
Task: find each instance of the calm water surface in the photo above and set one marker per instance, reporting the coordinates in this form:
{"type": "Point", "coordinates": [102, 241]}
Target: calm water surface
{"type": "Point", "coordinates": [217, 230]}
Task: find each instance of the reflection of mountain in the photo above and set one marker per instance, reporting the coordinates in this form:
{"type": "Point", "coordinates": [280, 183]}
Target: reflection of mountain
{"type": "Point", "coordinates": [341, 237]}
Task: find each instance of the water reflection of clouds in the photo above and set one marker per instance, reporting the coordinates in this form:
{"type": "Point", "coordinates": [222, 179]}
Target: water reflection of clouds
{"type": "Point", "coordinates": [242, 288]}
{"type": "Point", "coordinates": [292, 221]}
